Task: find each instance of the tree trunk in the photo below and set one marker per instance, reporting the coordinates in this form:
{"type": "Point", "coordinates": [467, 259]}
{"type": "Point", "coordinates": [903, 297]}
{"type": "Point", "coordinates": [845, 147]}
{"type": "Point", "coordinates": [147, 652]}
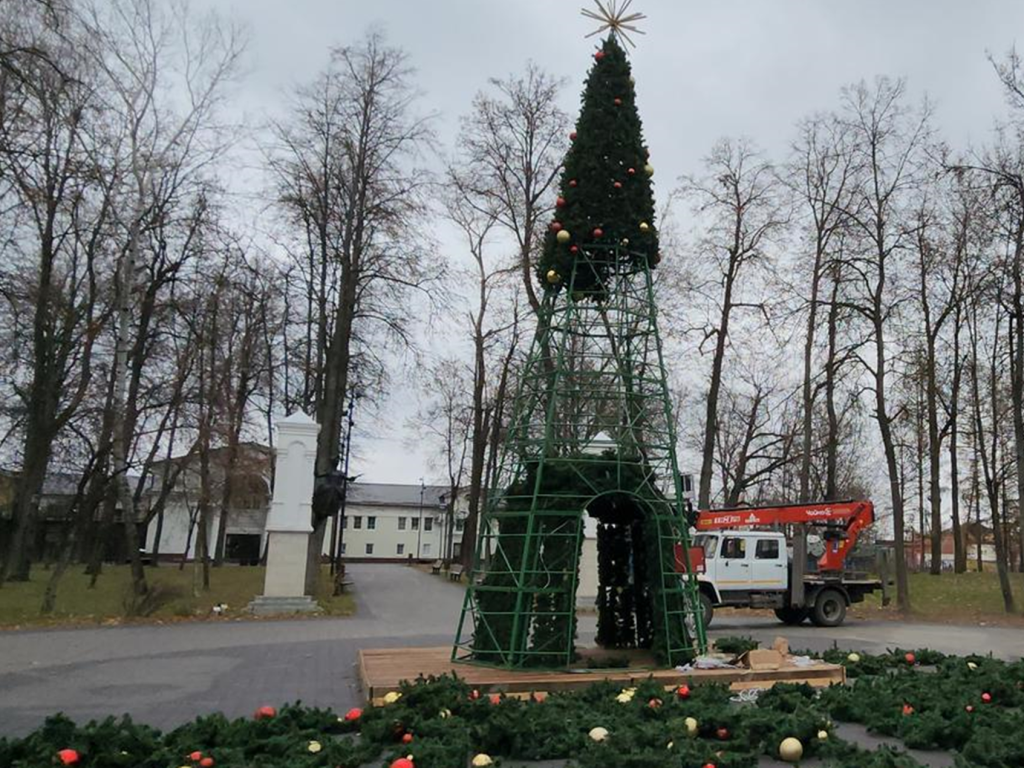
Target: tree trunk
{"type": "Point", "coordinates": [959, 550]}
{"type": "Point", "coordinates": [711, 412]}
{"type": "Point", "coordinates": [808, 395]}
{"type": "Point", "coordinates": [832, 443]}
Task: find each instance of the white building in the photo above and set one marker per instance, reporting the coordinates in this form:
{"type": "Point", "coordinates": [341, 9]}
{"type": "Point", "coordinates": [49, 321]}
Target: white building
{"type": "Point", "coordinates": [381, 521]}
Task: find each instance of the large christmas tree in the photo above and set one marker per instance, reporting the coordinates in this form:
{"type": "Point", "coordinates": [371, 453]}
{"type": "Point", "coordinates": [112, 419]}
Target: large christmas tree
{"type": "Point", "coordinates": [605, 196]}
{"type": "Point", "coordinates": [591, 431]}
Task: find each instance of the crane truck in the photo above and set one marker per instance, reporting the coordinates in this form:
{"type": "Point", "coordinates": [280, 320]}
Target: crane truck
{"type": "Point", "coordinates": [739, 566]}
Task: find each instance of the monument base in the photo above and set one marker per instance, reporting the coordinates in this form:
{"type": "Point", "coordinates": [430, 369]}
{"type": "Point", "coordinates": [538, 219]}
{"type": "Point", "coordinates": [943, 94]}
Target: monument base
{"type": "Point", "coordinates": [265, 605]}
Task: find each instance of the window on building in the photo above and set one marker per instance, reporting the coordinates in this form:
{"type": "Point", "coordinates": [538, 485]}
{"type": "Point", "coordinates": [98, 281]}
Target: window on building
{"type": "Point", "coordinates": [344, 522]}
{"type": "Point", "coordinates": [460, 524]}
{"type": "Point", "coordinates": [767, 549]}
{"type": "Point", "coordinates": [357, 521]}
{"type": "Point", "coordinates": [401, 523]}
{"type": "Point", "coordinates": [687, 483]}
{"type": "Point", "coordinates": [414, 523]}
{"type": "Point", "coordinates": [734, 548]}
{"type": "Point", "coordinates": [371, 523]}
{"type": "Point", "coordinates": [369, 548]}
{"type": "Point", "coordinates": [426, 548]}
{"type": "Point", "coordinates": [428, 524]}
{"type": "Point", "coordinates": [343, 547]}
{"type": "Point", "coordinates": [401, 549]}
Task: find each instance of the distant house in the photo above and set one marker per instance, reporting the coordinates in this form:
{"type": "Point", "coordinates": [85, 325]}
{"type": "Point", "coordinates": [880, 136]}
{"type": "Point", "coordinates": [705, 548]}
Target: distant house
{"type": "Point", "coordinates": [918, 550]}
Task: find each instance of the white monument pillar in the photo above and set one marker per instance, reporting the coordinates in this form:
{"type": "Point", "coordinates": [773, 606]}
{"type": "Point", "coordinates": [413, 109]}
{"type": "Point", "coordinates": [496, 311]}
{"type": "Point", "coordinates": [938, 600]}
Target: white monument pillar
{"type": "Point", "coordinates": [289, 522]}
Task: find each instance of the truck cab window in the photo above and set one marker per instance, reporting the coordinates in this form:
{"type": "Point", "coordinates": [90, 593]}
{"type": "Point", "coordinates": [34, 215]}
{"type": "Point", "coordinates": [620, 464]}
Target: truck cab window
{"type": "Point", "coordinates": [734, 548]}
{"type": "Point", "coordinates": [767, 549]}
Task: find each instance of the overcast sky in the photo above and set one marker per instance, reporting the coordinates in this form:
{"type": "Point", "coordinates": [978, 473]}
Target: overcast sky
{"type": "Point", "coordinates": [703, 70]}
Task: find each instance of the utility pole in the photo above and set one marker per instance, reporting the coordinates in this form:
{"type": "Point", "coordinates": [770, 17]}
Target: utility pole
{"type": "Point", "coordinates": [419, 527]}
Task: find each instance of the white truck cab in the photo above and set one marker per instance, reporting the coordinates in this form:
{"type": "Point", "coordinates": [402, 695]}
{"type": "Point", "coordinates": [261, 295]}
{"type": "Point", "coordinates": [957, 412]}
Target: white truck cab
{"type": "Point", "coordinates": [739, 563]}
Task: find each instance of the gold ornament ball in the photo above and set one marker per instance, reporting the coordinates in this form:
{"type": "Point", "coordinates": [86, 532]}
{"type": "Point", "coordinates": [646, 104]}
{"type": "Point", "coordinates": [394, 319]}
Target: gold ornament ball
{"type": "Point", "coordinates": [972, 666]}
{"type": "Point", "coordinates": [853, 658]}
{"type": "Point", "coordinates": [649, 169]}
{"type": "Point", "coordinates": [625, 241]}
{"type": "Point", "coordinates": [644, 226]}
{"type": "Point", "coordinates": [314, 746]}
{"type": "Point", "coordinates": [791, 750]}
{"type": "Point", "coordinates": [822, 735]}
{"type": "Point", "coordinates": [598, 734]}
{"type": "Point", "coordinates": [391, 697]}
{"type": "Point", "coordinates": [553, 277]}
{"type": "Point", "coordinates": [563, 236]}
{"type": "Point", "coordinates": [482, 760]}
{"type": "Point", "coordinates": [691, 727]}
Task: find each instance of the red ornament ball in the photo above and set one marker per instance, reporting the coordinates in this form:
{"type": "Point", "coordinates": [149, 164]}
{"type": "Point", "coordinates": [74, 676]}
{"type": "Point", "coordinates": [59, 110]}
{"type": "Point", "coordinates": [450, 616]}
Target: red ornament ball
{"type": "Point", "coordinates": [560, 202]}
{"type": "Point", "coordinates": [68, 757]}
{"type": "Point", "coordinates": [573, 248]}
{"type": "Point", "coordinates": [969, 709]}
{"type": "Point", "coordinates": [572, 136]}
{"type": "Point", "coordinates": [618, 102]}
{"type": "Point", "coordinates": [722, 734]}
{"type": "Point", "coordinates": [631, 171]}
{"type": "Point", "coordinates": [407, 738]}
{"type": "Point", "coordinates": [402, 762]}
{"type": "Point", "coordinates": [910, 658]}
{"type": "Point", "coordinates": [599, 55]}
{"type": "Point", "coordinates": [206, 762]}
{"type": "Point", "coordinates": [572, 182]}
{"type": "Point", "coordinates": [654, 703]}
{"type": "Point", "coordinates": [474, 694]}
{"type": "Point", "coordinates": [683, 691]}
{"type": "Point", "coordinates": [265, 713]}
{"type": "Point", "coordinates": [598, 232]}
{"type": "Point", "coordinates": [986, 697]}
{"type": "Point", "coordinates": [617, 185]}
{"type": "Point", "coordinates": [555, 226]}
{"type": "Point", "coordinates": [495, 698]}
{"type": "Point", "coordinates": [196, 756]}
{"type": "Point", "coordinates": [907, 709]}
{"type": "Point", "coordinates": [353, 714]}
{"type": "Point", "coordinates": [709, 765]}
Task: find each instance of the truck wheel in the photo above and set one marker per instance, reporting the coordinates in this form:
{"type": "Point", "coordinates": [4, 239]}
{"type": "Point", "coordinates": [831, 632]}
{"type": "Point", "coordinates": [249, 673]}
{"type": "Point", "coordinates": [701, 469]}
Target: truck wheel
{"type": "Point", "coordinates": [792, 616]}
{"type": "Point", "coordinates": [707, 609]}
{"type": "Point", "coordinates": [829, 608]}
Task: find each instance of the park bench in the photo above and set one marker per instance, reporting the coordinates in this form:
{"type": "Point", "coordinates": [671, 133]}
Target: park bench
{"type": "Point", "coordinates": [455, 573]}
{"type": "Point", "coordinates": [435, 567]}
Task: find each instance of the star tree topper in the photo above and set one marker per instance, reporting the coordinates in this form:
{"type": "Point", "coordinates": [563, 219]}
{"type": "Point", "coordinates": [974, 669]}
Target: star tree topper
{"type": "Point", "coordinates": [612, 17]}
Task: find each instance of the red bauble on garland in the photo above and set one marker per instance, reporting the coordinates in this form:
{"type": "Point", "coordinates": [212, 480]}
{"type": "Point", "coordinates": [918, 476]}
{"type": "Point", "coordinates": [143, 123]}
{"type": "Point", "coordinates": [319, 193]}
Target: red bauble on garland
{"type": "Point", "coordinates": [560, 202]}
{"type": "Point", "coordinates": [617, 185]}
{"type": "Point", "coordinates": [206, 762]}
{"type": "Point", "coordinates": [555, 226]}
{"type": "Point", "coordinates": [986, 697]}
{"type": "Point", "coordinates": [407, 738]}
{"type": "Point", "coordinates": [265, 713]}
{"type": "Point", "coordinates": [353, 714]}
{"type": "Point", "coordinates": [722, 734]}
{"type": "Point", "coordinates": [68, 757]}
{"type": "Point", "coordinates": [598, 232]}
{"type": "Point", "coordinates": [618, 102]}
{"type": "Point", "coordinates": [683, 691]}
{"type": "Point", "coordinates": [572, 136]}
{"type": "Point", "coordinates": [631, 171]}
{"type": "Point", "coordinates": [910, 658]}
{"type": "Point", "coordinates": [572, 182]}
{"type": "Point", "coordinates": [907, 709]}
{"type": "Point", "coordinates": [474, 695]}
{"type": "Point", "coordinates": [196, 756]}
{"type": "Point", "coordinates": [599, 55]}
{"type": "Point", "coordinates": [968, 709]}
{"type": "Point", "coordinates": [573, 248]}
{"type": "Point", "coordinates": [495, 698]}
{"type": "Point", "coordinates": [402, 762]}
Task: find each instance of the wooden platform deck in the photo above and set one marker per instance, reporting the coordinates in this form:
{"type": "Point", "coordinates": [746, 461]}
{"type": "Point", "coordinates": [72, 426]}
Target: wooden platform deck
{"type": "Point", "coordinates": [381, 670]}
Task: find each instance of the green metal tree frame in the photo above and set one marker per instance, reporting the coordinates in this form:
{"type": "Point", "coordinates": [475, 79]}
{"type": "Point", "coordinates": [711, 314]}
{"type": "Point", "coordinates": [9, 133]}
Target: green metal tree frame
{"type": "Point", "coordinates": [591, 430]}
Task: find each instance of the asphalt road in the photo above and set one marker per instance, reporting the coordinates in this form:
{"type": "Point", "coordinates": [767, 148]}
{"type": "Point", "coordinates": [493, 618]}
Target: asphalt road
{"type": "Point", "coordinates": [166, 675]}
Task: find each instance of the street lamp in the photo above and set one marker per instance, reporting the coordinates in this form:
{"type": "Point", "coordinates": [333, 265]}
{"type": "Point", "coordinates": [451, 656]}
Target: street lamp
{"type": "Point", "coordinates": [339, 521]}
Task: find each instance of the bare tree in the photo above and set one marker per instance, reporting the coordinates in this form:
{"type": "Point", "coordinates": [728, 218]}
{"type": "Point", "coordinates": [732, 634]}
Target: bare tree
{"type": "Point", "coordinates": [347, 167]}
{"type": "Point", "coordinates": [890, 141]}
{"type": "Point", "coordinates": [739, 197]}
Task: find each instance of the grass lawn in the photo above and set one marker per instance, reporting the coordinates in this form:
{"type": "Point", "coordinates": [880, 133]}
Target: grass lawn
{"type": "Point", "coordinates": [952, 598]}
{"type": "Point", "coordinates": [181, 597]}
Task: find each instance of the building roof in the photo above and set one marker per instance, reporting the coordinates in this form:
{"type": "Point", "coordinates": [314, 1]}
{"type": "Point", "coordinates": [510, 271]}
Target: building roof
{"type": "Point", "coordinates": [394, 495]}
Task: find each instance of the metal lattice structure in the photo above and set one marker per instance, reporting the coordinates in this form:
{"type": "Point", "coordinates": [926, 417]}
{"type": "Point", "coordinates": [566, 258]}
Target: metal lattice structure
{"type": "Point", "coordinates": [591, 432]}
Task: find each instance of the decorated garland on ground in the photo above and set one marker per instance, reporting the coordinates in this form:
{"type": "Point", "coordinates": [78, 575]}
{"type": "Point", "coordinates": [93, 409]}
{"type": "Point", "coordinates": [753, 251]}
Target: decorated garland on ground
{"type": "Point", "coordinates": [969, 705]}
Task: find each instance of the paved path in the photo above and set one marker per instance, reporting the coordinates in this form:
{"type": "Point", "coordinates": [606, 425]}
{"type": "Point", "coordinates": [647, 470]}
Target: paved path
{"type": "Point", "coordinates": [166, 675]}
